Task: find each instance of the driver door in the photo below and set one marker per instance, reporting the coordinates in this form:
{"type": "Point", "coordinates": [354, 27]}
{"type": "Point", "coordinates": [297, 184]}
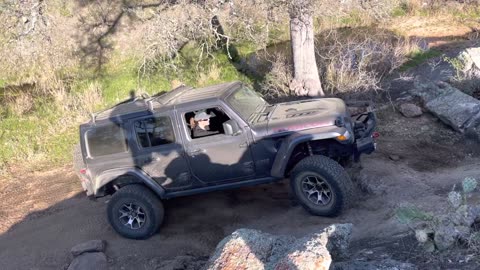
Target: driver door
{"type": "Point", "coordinates": [218, 158]}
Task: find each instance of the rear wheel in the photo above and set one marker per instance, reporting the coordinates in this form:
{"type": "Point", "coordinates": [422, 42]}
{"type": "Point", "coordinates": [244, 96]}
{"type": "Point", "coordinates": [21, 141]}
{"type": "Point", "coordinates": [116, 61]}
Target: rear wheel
{"type": "Point", "coordinates": [321, 186]}
{"type": "Point", "coordinates": [135, 212]}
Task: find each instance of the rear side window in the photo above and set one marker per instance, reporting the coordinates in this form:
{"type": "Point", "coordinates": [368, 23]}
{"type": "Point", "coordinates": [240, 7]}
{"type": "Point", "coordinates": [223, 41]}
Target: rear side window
{"type": "Point", "coordinates": [106, 140]}
{"type": "Point", "coordinates": [154, 131]}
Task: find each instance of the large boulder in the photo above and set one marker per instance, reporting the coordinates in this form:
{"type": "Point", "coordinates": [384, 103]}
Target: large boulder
{"type": "Point", "coordinates": [247, 249]}
{"type": "Point", "coordinates": [311, 256]}
{"type": "Point", "coordinates": [450, 105]}
{"type": "Point", "coordinates": [470, 58]}
{"type": "Point", "coordinates": [250, 249]}
{"type": "Point", "coordinates": [89, 246]}
{"type": "Point", "coordinates": [317, 251]}
{"type": "Point", "coordinates": [337, 239]}
{"type": "Point", "coordinates": [89, 261]}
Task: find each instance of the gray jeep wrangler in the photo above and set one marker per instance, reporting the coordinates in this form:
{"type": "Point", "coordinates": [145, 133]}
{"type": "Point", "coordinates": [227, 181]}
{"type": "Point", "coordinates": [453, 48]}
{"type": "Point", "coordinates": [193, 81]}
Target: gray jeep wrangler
{"type": "Point", "coordinates": [144, 150]}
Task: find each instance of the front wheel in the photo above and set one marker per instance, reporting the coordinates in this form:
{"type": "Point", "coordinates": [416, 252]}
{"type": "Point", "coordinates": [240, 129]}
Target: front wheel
{"type": "Point", "coordinates": [135, 212]}
{"type": "Point", "coordinates": [321, 186]}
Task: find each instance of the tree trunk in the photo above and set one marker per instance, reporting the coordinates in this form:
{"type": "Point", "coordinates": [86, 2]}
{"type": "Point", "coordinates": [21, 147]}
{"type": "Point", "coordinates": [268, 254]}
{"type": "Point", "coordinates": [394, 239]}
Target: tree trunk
{"type": "Point", "coordinates": [306, 80]}
{"type": "Point", "coordinates": [223, 40]}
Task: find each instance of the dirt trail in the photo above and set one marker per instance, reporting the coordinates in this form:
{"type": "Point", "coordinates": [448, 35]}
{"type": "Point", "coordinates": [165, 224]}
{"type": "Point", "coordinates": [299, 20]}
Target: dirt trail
{"type": "Point", "coordinates": [44, 218]}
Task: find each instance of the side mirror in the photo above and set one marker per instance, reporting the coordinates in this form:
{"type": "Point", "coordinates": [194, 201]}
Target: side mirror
{"type": "Point", "coordinates": [231, 128]}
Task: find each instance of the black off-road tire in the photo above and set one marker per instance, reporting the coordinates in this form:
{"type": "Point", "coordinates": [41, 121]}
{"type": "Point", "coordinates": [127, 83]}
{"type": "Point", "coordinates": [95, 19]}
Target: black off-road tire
{"type": "Point", "coordinates": [146, 200]}
{"type": "Point", "coordinates": [329, 172]}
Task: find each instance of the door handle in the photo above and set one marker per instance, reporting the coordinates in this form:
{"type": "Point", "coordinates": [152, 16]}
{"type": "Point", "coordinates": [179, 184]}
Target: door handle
{"type": "Point", "coordinates": [196, 151]}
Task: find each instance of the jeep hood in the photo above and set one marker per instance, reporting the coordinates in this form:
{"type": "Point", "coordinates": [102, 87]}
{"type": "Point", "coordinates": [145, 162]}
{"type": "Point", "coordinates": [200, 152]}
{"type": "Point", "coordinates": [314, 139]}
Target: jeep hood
{"type": "Point", "coordinates": [304, 114]}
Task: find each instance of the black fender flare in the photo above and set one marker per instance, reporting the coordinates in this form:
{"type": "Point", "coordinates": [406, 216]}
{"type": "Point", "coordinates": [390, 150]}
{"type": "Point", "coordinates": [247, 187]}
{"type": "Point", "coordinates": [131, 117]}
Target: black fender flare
{"type": "Point", "coordinates": [290, 142]}
{"type": "Point", "coordinates": [110, 175]}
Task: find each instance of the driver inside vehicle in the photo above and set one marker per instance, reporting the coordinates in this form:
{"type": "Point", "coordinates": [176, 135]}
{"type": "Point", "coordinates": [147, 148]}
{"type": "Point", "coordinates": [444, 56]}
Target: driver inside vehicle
{"type": "Point", "coordinates": [202, 125]}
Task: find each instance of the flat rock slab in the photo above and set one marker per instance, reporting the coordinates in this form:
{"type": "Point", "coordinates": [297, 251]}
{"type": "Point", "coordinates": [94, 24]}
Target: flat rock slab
{"type": "Point", "coordinates": [89, 261]}
{"type": "Point", "coordinates": [90, 246]}
{"type": "Point", "coordinates": [449, 104]}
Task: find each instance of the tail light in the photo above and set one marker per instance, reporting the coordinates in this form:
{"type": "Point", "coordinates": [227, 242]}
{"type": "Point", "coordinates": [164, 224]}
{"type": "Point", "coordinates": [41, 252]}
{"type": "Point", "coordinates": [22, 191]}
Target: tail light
{"type": "Point", "coordinates": [375, 135]}
{"type": "Point", "coordinates": [83, 171]}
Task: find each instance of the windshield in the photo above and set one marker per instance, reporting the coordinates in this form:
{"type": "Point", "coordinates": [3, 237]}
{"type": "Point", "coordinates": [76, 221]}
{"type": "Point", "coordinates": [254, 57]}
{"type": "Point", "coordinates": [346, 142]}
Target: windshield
{"type": "Point", "coordinates": [245, 102]}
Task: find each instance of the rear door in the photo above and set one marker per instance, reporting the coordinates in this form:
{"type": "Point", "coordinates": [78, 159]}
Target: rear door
{"type": "Point", "coordinates": [159, 152]}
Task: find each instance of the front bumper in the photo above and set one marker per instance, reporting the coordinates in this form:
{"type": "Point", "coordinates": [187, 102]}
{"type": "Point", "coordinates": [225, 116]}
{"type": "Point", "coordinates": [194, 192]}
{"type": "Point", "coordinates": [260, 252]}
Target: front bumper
{"type": "Point", "coordinates": [364, 126]}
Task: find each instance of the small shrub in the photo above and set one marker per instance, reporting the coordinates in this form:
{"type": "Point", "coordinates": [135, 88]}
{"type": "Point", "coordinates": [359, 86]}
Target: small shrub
{"type": "Point", "coordinates": [458, 64]}
{"type": "Point", "coordinates": [467, 75]}
{"type": "Point", "coordinates": [455, 199]}
{"type": "Point", "coordinates": [401, 10]}
{"type": "Point", "coordinates": [469, 184]}
{"type": "Point", "coordinates": [407, 213]}
{"type": "Point", "coordinates": [357, 59]}
{"type": "Point", "coordinates": [90, 98]}
{"type": "Point", "coordinates": [277, 80]}
{"type": "Point", "coordinates": [442, 231]}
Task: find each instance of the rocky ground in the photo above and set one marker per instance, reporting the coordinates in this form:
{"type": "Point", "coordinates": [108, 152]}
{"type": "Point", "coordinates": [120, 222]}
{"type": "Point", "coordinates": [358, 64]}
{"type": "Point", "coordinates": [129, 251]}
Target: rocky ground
{"type": "Point", "coordinates": [418, 160]}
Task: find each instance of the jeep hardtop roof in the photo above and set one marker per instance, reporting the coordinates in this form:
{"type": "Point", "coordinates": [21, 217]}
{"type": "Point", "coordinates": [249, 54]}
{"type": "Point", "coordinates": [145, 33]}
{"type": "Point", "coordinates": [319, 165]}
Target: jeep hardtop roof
{"type": "Point", "coordinates": [182, 95]}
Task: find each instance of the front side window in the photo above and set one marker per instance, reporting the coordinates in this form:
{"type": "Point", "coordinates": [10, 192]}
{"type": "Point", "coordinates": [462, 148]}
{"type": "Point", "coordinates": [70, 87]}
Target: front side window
{"type": "Point", "coordinates": [106, 140]}
{"type": "Point", "coordinates": [154, 131]}
{"type": "Point", "coordinates": [206, 122]}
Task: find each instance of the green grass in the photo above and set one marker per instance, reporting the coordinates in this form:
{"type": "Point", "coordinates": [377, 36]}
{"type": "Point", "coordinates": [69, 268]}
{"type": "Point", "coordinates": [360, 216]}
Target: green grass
{"type": "Point", "coordinates": [33, 137]}
{"type": "Point", "coordinates": [471, 13]}
{"type": "Point", "coordinates": [401, 10]}
{"type": "Point", "coordinates": [418, 58]}
{"type": "Point", "coordinates": [354, 18]}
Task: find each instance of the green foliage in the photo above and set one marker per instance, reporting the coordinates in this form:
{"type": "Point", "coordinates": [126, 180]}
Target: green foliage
{"type": "Point", "coordinates": [457, 63]}
{"type": "Point", "coordinates": [469, 184]}
{"type": "Point", "coordinates": [407, 214]}
{"type": "Point", "coordinates": [279, 32]}
{"type": "Point", "coordinates": [455, 199]}
{"type": "Point", "coordinates": [245, 49]}
{"type": "Point", "coordinates": [419, 57]}
{"type": "Point", "coordinates": [401, 10]}
{"type": "Point", "coordinates": [354, 18]}
{"type": "Point", "coordinates": [470, 13]}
